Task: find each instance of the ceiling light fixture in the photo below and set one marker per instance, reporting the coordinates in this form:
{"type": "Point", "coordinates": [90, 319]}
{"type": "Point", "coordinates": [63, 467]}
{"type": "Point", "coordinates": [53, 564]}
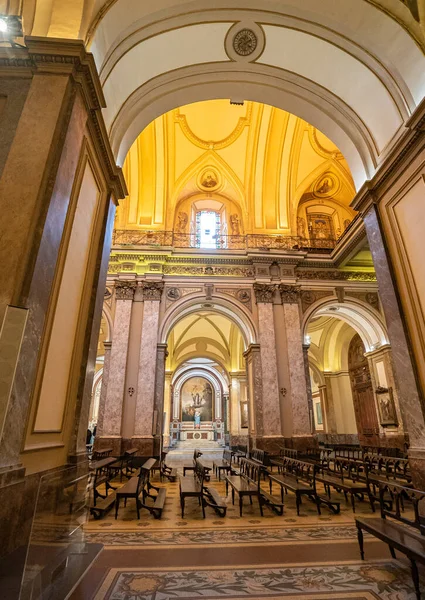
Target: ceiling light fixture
{"type": "Point", "coordinates": [10, 29]}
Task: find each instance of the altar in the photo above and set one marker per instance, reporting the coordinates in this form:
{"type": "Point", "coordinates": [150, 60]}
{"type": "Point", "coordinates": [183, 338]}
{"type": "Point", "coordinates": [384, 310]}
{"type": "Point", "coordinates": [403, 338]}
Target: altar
{"type": "Point", "coordinates": [197, 409]}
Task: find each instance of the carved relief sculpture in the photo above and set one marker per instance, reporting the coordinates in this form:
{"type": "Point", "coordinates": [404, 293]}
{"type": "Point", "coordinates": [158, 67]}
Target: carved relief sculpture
{"type": "Point", "coordinates": [264, 293]}
{"type": "Point", "coordinates": [183, 220]}
{"type": "Point", "coordinates": [152, 290]}
{"type": "Point", "coordinates": [124, 290]}
{"type": "Point", "coordinates": [289, 294]}
{"type": "Point", "coordinates": [234, 223]}
{"type": "Point", "coordinates": [301, 228]}
{"type": "Point", "coordinates": [387, 411]}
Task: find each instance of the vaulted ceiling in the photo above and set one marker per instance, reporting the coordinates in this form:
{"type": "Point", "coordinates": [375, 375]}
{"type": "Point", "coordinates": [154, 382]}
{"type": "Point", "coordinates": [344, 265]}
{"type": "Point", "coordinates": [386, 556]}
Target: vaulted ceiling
{"type": "Point", "coordinates": [260, 159]}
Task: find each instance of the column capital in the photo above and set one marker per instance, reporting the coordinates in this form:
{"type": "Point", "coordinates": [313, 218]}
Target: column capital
{"type": "Point", "coordinates": [264, 293]}
{"type": "Point", "coordinates": [289, 293]}
{"type": "Point", "coordinates": [124, 290]}
{"type": "Point", "coordinates": [152, 290]}
{"type": "Point", "coordinates": [107, 345]}
{"type": "Point", "coordinates": [252, 348]}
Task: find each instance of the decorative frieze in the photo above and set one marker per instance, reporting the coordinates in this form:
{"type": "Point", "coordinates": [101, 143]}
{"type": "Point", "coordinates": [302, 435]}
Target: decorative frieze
{"type": "Point", "coordinates": [264, 293]}
{"type": "Point", "coordinates": [152, 290]}
{"type": "Point", "coordinates": [309, 297]}
{"type": "Point", "coordinates": [335, 275]}
{"type": "Point", "coordinates": [289, 293]}
{"type": "Point", "coordinates": [124, 290]}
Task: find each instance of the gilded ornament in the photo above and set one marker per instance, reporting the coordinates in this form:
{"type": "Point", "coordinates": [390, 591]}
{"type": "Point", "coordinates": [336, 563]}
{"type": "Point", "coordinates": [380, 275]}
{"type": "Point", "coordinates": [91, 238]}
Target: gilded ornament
{"type": "Point", "coordinates": [289, 293]}
{"type": "Point", "coordinates": [152, 290]}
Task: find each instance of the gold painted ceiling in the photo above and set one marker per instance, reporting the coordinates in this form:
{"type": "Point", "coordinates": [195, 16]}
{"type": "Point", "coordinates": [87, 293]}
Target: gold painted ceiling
{"type": "Point", "coordinates": [264, 165]}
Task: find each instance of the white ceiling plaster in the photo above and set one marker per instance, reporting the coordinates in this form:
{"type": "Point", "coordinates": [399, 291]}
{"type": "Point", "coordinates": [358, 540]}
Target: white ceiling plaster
{"type": "Point", "coordinates": [171, 50]}
{"type": "Point", "coordinates": [338, 72]}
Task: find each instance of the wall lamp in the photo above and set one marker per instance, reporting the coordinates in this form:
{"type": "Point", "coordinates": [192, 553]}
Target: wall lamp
{"type": "Point", "coordinates": [11, 28]}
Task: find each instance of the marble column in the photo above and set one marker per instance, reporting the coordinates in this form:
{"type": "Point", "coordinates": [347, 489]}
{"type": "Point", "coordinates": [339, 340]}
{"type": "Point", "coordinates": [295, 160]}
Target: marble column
{"type": "Point", "coordinates": [308, 383]}
{"type": "Point", "coordinates": [167, 409]}
{"type": "Point", "coordinates": [145, 402]}
{"type": "Point", "coordinates": [328, 408]}
{"type": "Point", "coordinates": [102, 400]}
{"type": "Point", "coordinates": [255, 393]}
{"type": "Point", "coordinates": [301, 416]}
{"type": "Point", "coordinates": [271, 425]}
{"type": "Point", "coordinates": [411, 402]}
{"type": "Point", "coordinates": [112, 417]}
{"type": "Point", "coordinates": [161, 357]}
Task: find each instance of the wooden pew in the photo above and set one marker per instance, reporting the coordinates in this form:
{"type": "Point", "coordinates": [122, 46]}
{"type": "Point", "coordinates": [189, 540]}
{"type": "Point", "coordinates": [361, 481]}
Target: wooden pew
{"type": "Point", "coordinates": [140, 488]}
{"type": "Point", "coordinates": [165, 471]}
{"type": "Point", "coordinates": [238, 452]}
{"type": "Point", "coordinates": [247, 484]}
{"type": "Point", "coordinates": [102, 476]}
{"type": "Point", "coordinates": [225, 464]}
{"type": "Point", "coordinates": [298, 477]}
{"type": "Point", "coordinates": [398, 537]}
{"type": "Point", "coordinates": [99, 454]}
{"type": "Point", "coordinates": [195, 488]}
{"type": "Point", "coordinates": [343, 476]}
{"type": "Point", "coordinates": [196, 455]}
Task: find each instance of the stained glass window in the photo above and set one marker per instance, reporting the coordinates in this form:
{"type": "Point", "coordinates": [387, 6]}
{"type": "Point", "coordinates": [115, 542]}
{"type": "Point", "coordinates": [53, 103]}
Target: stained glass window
{"type": "Point", "coordinates": [207, 229]}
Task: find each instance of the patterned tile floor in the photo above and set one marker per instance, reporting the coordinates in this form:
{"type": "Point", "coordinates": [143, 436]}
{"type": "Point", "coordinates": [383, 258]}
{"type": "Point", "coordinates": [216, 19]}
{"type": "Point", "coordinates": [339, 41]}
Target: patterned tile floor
{"type": "Point", "coordinates": [289, 556]}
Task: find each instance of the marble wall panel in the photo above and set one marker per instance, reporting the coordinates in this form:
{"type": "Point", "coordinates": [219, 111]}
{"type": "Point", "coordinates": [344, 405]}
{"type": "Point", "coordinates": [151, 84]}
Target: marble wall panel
{"type": "Point", "coordinates": [103, 389]}
{"type": "Point", "coordinates": [38, 282]}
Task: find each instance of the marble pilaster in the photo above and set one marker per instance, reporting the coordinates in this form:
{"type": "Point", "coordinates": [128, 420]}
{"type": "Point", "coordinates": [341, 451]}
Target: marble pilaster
{"type": "Point", "coordinates": [404, 368]}
{"type": "Point", "coordinates": [124, 293]}
{"type": "Point", "coordinates": [308, 381]}
{"type": "Point", "coordinates": [167, 409]}
{"type": "Point", "coordinates": [300, 409]}
{"type": "Point", "coordinates": [145, 401]}
{"type": "Point", "coordinates": [271, 402]}
{"type": "Point", "coordinates": [328, 407]}
{"type": "Point", "coordinates": [103, 389]}
{"type": "Point", "coordinates": [255, 391]}
{"type": "Point", "coordinates": [161, 357]}
{"type": "Point", "coordinates": [234, 408]}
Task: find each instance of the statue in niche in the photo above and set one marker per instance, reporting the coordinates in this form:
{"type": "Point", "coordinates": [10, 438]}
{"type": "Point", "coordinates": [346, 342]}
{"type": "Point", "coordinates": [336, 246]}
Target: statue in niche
{"type": "Point", "coordinates": [234, 223]}
{"type": "Point", "coordinates": [197, 419]}
{"type": "Point", "coordinates": [301, 227]}
{"type": "Point", "coordinates": [183, 219]}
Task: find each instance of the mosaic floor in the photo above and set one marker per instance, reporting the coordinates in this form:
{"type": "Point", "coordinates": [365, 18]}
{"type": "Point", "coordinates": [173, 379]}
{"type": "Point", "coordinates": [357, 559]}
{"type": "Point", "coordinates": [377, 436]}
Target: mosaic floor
{"type": "Point", "coordinates": [289, 556]}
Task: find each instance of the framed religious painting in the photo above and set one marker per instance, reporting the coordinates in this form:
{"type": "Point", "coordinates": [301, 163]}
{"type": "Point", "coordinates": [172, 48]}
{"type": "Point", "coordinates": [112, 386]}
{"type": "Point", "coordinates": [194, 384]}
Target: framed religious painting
{"type": "Point", "coordinates": [244, 415]}
{"type": "Point", "coordinates": [386, 407]}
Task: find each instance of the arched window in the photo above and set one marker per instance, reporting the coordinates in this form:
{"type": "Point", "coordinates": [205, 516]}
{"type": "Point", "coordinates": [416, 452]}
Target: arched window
{"type": "Point", "coordinates": [208, 229]}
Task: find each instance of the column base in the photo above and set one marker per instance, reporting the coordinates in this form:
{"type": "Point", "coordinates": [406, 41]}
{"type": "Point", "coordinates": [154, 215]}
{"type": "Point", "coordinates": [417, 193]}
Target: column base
{"type": "Point", "coordinates": [105, 441]}
{"type": "Point", "coordinates": [238, 440]}
{"type": "Point", "coordinates": [417, 467]}
{"type": "Point", "coordinates": [271, 444]}
{"type": "Point", "coordinates": [302, 442]}
{"type": "Point", "coordinates": [145, 445]}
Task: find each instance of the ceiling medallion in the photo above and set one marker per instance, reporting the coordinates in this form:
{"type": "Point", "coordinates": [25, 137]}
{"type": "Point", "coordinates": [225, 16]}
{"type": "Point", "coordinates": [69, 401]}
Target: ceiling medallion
{"type": "Point", "coordinates": [208, 180]}
{"type": "Point", "coordinates": [326, 186]}
{"type": "Point", "coordinates": [245, 42]}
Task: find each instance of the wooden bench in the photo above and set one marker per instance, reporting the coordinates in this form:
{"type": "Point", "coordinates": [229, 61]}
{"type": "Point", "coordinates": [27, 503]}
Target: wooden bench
{"type": "Point", "coordinates": [101, 476]}
{"type": "Point", "coordinates": [99, 454]}
{"type": "Point", "coordinates": [247, 484]}
{"type": "Point", "coordinates": [261, 458]}
{"type": "Point", "coordinates": [391, 527]}
{"type": "Point", "coordinates": [196, 455]}
{"type": "Point", "coordinates": [238, 452]}
{"type": "Point", "coordinates": [342, 475]}
{"type": "Point", "coordinates": [225, 464]}
{"type": "Point", "coordinates": [194, 488]}
{"type": "Point", "coordinates": [123, 464]}
{"type": "Point", "coordinates": [140, 487]}
{"type": "Point", "coordinates": [165, 471]}
{"type": "Point", "coordinates": [298, 477]}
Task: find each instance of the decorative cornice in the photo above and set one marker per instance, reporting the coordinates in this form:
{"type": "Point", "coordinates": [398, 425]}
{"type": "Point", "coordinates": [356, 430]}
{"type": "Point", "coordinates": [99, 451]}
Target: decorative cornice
{"type": "Point", "coordinates": [336, 275]}
{"type": "Point", "coordinates": [69, 57]}
{"type": "Point", "coordinates": [152, 290]}
{"type": "Point", "coordinates": [124, 290]}
{"type": "Point", "coordinates": [264, 293]}
{"type": "Point", "coordinates": [290, 294]}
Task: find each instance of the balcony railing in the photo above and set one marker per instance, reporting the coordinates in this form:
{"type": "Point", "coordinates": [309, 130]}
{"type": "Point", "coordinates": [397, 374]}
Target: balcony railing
{"type": "Point", "coordinates": [151, 238]}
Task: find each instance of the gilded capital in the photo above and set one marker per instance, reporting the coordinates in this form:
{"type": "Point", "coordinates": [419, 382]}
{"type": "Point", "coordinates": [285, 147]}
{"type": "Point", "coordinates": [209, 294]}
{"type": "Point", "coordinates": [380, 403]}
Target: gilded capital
{"type": "Point", "coordinates": [264, 293]}
{"type": "Point", "coordinates": [289, 293]}
{"type": "Point", "coordinates": [152, 290]}
{"type": "Point", "coordinates": [124, 290]}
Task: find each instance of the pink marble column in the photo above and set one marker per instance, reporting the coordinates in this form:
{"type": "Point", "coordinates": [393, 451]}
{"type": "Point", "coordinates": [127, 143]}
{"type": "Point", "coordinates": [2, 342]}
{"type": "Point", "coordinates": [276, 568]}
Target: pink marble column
{"type": "Point", "coordinates": [272, 429]}
{"type": "Point", "coordinates": [301, 423]}
{"type": "Point", "coordinates": [161, 357]}
{"type": "Point", "coordinates": [255, 393]}
{"type": "Point", "coordinates": [145, 402]}
{"type": "Point", "coordinates": [103, 389]}
{"type": "Point", "coordinates": [112, 417]}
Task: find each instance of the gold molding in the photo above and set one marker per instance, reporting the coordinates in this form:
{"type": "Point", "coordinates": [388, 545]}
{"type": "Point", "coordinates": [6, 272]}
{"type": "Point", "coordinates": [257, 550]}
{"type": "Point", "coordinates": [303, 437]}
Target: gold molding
{"type": "Point", "coordinates": [211, 144]}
